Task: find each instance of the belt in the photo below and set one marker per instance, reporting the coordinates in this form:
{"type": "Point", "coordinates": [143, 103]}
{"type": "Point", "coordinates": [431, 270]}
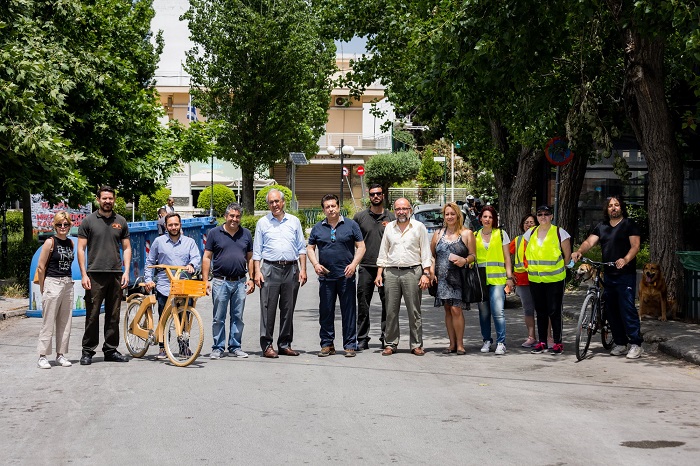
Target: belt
{"type": "Point", "coordinates": [405, 268]}
{"type": "Point", "coordinates": [281, 262]}
{"type": "Point", "coordinates": [229, 278]}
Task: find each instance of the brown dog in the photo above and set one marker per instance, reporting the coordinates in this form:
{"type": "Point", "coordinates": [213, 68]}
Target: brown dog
{"type": "Point", "coordinates": [653, 296]}
{"type": "Point", "coordinates": [584, 272]}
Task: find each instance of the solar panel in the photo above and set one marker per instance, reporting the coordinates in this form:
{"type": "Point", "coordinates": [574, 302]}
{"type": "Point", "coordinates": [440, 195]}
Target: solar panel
{"type": "Point", "coordinates": [298, 158]}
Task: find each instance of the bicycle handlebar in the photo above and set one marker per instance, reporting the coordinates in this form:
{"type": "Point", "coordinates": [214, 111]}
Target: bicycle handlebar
{"type": "Point", "coordinates": [586, 260]}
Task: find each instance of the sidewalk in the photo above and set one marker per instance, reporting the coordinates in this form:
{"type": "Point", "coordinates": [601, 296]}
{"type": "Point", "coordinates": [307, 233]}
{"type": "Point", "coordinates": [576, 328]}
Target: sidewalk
{"type": "Point", "coordinates": [678, 339]}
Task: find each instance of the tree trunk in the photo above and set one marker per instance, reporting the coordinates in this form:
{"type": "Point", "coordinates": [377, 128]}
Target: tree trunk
{"type": "Point", "coordinates": [520, 191]}
{"type": "Point", "coordinates": [571, 180]}
{"type": "Point", "coordinates": [28, 235]}
{"type": "Point", "coordinates": [648, 113]}
{"type": "Point", "coordinates": [248, 194]}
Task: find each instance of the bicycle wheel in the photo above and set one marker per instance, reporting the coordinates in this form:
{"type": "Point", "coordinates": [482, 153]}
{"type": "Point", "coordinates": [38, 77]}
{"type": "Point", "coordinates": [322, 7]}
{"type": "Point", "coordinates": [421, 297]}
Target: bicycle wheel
{"type": "Point", "coordinates": [584, 330]}
{"type": "Point", "coordinates": [606, 335]}
{"type": "Point", "coordinates": [137, 346]}
{"type": "Point", "coordinates": [183, 348]}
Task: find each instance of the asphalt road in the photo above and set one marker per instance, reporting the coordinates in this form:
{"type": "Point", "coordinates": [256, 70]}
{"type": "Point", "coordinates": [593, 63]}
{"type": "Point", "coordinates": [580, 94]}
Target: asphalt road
{"type": "Point", "coordinates": [443, 409]}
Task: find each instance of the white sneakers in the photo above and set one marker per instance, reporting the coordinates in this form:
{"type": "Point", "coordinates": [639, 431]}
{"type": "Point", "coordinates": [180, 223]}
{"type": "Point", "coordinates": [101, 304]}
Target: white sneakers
{"type": "Point", "coordinates": [500, 349]}
{"type": "Point", "coordinates": [618, 350]}
{"type": "Point", "coordinates": [238, 353]}
{"type": "Point", "coordinates": [43, 363]}
{"type": "Point", "coordinates": [635, 352]}
{"type": "Point", "coordinates": [62, 361]}
{"type": "Point", "coordinates": [487, 347]}
{"type": "Point", "coordinates": [216, 354]}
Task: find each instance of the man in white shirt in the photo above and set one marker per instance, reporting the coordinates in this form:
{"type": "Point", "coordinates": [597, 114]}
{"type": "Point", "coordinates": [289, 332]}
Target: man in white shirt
{"type": "Point", "coordinates": [404, 267]}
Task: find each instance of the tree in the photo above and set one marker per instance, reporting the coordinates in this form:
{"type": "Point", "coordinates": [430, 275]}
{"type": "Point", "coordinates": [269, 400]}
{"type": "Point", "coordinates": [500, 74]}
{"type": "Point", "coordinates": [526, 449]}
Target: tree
{"type": "Point", "coordinates": [431, 173]}
{"type": "Point", "coordinates": [149, 204]}
{"type": "Point", "coordinates": [223, 196]}
{"type": "Point", "coordinates": [263, 73]}
{"type": "Point", "coordinates": [395, 167]}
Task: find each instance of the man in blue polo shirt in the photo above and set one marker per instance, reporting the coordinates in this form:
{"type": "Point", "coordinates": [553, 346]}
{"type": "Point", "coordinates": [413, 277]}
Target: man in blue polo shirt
{"type": "Point", "coordinates": [340, 250]}
{"type": "Point", "coordinates": [171, 249]}
{"type": "Point", "coordinates": [230, 246]}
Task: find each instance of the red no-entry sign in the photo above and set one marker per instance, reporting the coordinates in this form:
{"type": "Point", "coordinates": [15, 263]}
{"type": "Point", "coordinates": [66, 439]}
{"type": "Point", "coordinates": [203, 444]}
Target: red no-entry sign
{"type": "Point", "coordinates": [360, 170]}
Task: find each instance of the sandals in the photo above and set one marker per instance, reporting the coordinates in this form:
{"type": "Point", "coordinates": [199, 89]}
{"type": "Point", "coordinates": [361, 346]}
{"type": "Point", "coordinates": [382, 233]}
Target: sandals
{"type": "Point", "coordinates": [448, 351]}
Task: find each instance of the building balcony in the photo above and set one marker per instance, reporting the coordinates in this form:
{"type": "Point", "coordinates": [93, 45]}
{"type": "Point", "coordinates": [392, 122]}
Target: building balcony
{"type": "Point", "coordinates": [380, 143]}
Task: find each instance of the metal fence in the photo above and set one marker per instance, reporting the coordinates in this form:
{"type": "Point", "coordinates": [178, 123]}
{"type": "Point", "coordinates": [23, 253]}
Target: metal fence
{"type": "Point", "coordinates": [428, 195]}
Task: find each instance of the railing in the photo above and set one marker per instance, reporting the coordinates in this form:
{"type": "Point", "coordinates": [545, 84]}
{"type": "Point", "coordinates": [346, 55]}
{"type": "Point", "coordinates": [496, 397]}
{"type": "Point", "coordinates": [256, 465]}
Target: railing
{"type": "Point", "coordinates": [427, 195]}
{"type": "Point", "coordinates": [357, 140]}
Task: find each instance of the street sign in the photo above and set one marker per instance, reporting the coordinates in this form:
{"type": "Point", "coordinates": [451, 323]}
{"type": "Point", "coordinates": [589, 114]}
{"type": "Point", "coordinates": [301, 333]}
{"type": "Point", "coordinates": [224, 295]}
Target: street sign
{"type": "Point", "coordinates": [360, 170]}
{"type": "Point", "coordinates": [557, 152]}
{"type": "Point", "coordinates": [346, 172]}
{"type": "Point", "coordinates": [439, 159]}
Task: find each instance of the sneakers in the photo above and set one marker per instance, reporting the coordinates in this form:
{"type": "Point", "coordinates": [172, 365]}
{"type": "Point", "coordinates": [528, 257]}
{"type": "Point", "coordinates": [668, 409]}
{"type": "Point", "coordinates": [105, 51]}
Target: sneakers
{"type": "Point", "coordinates": [216, 354]}
{"type": "Point", "coordinates": [349, 353]}
{"type": "Point", "coordinates": [618, 350]}
{"type": "Point", "coordinates": [63, 362]}
{"type": "Point", "coordinates": [43, 363]}
{"type": "Point", "coordinates": [557, 348]}
{"type": "Point", "coordinates": [529, 343]}
{"type": "Point", "coordinates": [487, 347]}
{"type": "Point", "coordinates": [635, 352]}
{"type": "Point", "coordinates": [326, 351]}
{"type": "Point", "coordinates": [161, 354]}
{"type": "Point", "coordinates": [539, 348]}
{"type": "Point", "coordinates": [501, 349]}
{"type": "Point", "coordinates": [238, 353]}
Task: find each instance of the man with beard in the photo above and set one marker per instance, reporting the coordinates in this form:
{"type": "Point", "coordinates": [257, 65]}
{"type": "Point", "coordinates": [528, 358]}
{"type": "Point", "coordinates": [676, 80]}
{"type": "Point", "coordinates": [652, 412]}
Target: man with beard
{"type": "Point", "coordinates": [372, 223]}
{"type": "Point", "coordinates": [619, 239]}
{"type": "Point", "coordinates": [171, 249]}
{"type": "Point", "coordinates": [279, 257]}
{"type": "Point", "coordinates": [404, 262]}
{"type": "Point", "coordinates": [103, 232]}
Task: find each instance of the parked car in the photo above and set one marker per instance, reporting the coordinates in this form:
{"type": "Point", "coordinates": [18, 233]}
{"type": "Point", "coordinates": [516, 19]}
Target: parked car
{"type": "Point", "coordinates": [429, 215]}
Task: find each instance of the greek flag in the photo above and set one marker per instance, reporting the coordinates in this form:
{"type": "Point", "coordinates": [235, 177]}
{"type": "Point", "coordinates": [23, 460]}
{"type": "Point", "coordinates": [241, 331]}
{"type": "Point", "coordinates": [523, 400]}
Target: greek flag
{"type": "Point", "coordinates": [191, 111]}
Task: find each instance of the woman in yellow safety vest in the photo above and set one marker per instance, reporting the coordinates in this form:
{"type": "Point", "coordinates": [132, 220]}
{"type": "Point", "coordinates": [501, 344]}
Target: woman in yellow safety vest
{"type": "Point", "coordinates": [493, 257]}
{"type": "Point", "coordinates": [517, 250]}
{"type": "Point", "coordinates": [548, 251]}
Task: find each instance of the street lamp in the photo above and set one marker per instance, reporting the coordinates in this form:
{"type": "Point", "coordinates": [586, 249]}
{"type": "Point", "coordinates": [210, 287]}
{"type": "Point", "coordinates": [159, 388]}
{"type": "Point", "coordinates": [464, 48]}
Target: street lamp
{"type": "Point", "coordinates": [344, 150]}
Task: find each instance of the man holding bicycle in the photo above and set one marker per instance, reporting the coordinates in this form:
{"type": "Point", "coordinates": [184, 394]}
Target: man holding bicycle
{"type": "Point", "coordinates": [171, 249]}
{"type": "Point", "coordinates": [619, 239]}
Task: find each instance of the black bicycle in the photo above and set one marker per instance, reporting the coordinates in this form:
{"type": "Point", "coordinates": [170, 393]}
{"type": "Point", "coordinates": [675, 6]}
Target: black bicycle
{"type": "Point", "coordinates": [593, 317]}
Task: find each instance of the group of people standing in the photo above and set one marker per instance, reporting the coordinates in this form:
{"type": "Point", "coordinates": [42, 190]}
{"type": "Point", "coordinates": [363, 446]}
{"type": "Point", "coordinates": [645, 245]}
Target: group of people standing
{"type": "Point", "coordinates": [378, 248]}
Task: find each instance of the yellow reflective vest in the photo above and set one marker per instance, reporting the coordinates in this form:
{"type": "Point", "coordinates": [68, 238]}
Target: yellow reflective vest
{"type": "Point", "coordinates": [492, 258]}
{"type": "Point", "coordinates": [545, 264]}
{"type": "Point", "coordinates": [519, 264]}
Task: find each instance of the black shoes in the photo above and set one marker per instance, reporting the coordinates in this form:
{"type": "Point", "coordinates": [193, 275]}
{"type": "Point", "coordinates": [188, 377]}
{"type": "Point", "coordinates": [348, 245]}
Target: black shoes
{"type": "Point", "coordinates": [362, 345]}
{"type": "Point", "coordinates": [114, 356]}
{"type": "Point", "coordinates": [86, 360]}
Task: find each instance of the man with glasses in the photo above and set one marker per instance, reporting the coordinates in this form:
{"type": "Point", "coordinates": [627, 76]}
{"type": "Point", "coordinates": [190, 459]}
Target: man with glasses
{"type": "Point", "coordinates": [340, 249]}
{"type": "Point", "coordinates": [103, 232]}
{"type": "Point", "coordinates": [279, 258]}
{"type": "Point", "coordinates": [404, 262]}
{"type": "Point", "coordinates": [372, 223]}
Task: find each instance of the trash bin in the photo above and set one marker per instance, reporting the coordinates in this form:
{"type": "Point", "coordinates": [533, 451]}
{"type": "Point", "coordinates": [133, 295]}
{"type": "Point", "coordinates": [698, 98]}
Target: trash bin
{"type": "Point", "coordinates": [691, 264]}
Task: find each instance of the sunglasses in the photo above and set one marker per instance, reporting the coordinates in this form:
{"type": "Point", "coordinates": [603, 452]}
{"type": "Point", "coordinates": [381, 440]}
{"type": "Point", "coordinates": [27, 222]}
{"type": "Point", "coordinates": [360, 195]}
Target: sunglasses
{"type": "Point", "coordinates": [332, 235]}
{"type": "Point", "coordinates": [62, 225]}
{"type": "Point", "coordinates": [375, 194]}
{"type": "Point", "coordinates": [543, 214]}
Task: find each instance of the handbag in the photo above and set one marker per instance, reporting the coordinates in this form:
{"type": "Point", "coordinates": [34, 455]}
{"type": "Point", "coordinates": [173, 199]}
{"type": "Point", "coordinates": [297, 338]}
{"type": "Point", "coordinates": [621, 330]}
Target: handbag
{"type": "Point", "coordinates": [36, 272]}
{"type": "Point", "coordinates": [472, 284]}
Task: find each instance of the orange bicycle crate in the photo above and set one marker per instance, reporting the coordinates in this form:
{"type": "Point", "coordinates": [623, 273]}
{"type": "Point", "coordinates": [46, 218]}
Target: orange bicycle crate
{"type": "Point", "coordinates": [194, 288]}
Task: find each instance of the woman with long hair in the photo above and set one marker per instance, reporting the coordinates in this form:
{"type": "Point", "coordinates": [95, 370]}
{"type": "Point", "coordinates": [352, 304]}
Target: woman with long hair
{"type": "Point", "coordinates": [453, 247]}
{"type": "Point", "coordinates": [56, 286]}
{"type": "Point", "coordinates": [493, 257]}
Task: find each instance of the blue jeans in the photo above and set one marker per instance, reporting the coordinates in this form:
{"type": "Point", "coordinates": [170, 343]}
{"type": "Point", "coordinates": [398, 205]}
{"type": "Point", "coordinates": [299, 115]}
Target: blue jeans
{"type": "Point", "coordinates": [328, 290]}
{"type": "Point", "coordinates": [619, 296]}
{"type": "Point", "coordinates": [493, 307]}
{"type": "Point", "coordinates": [228, 294]}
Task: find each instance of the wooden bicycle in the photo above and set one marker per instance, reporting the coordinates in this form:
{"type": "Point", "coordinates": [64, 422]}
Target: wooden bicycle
{"type": "Point", "coordinates": [180, 326]}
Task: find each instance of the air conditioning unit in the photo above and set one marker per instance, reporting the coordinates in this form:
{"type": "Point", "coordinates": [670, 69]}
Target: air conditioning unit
{"type": "Point", "coordinates": [342, 102]}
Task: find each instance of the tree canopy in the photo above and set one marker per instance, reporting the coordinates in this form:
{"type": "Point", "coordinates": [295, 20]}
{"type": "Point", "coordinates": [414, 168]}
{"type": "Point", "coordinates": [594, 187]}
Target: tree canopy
{"type": "Point", "coordinates": [264, 74]}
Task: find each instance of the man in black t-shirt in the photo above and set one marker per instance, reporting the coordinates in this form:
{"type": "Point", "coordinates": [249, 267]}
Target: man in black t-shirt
{"type": "Point", "coordinates": [619, 239]}
{"type": "Point", "coordinates": [372, 223]}
{"type": "Point", "coordinates": [103, 233]}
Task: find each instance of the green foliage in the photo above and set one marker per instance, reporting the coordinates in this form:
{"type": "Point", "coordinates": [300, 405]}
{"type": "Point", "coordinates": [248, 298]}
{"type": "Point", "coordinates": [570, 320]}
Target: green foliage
{"type": "Point", "coordinates": [643, 256]}
{"type": "Point", "coordinates": [261, 197]}
{"type": "Point", "coordinates": [431, 173]}
{"type": "Point", "coordinates": [264, 74]}
{"type": "Point", "coordinates": [302, 218]}
{"type": "Point", "coordinates": [19, 258]}
{"type": "Point", "coordinates": [641, 217]}
{"type": "Point", "coordinates": [249, 222]}
{"type": "Point", "coordinates": [395, 167]}
{"type": "Point", "coordinates": [149, 205]}
{"type": "Point", "coordinates": [223, 196]}
{"type": "Point", "coordinates": [13, 220]}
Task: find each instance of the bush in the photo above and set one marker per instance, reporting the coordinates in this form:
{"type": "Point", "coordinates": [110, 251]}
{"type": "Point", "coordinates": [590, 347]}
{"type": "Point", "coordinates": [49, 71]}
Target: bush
{"type": "Point", "coordinates": [223, 196]}
{"type": "Point", "coordinates": [302, 218]}
{"type": "Point", "coordinates": [149, 205]}
{"type": "Point", "coordinates": [641, 217]}
{"type": "Point", "coordinates": [19, 258]}
{"type": "Point", "coordinates": [261, 197]}
{"type": "Point", "coordinates": [643, 256]}
{"type": "Point", "coordinates": [13, 219]}
{"type": "Point", "coordinates": [249, 222]}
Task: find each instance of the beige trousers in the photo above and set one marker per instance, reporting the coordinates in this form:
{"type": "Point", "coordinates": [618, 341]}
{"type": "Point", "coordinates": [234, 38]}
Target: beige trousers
{"type": "Point", "coordinates": [57, 310]}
